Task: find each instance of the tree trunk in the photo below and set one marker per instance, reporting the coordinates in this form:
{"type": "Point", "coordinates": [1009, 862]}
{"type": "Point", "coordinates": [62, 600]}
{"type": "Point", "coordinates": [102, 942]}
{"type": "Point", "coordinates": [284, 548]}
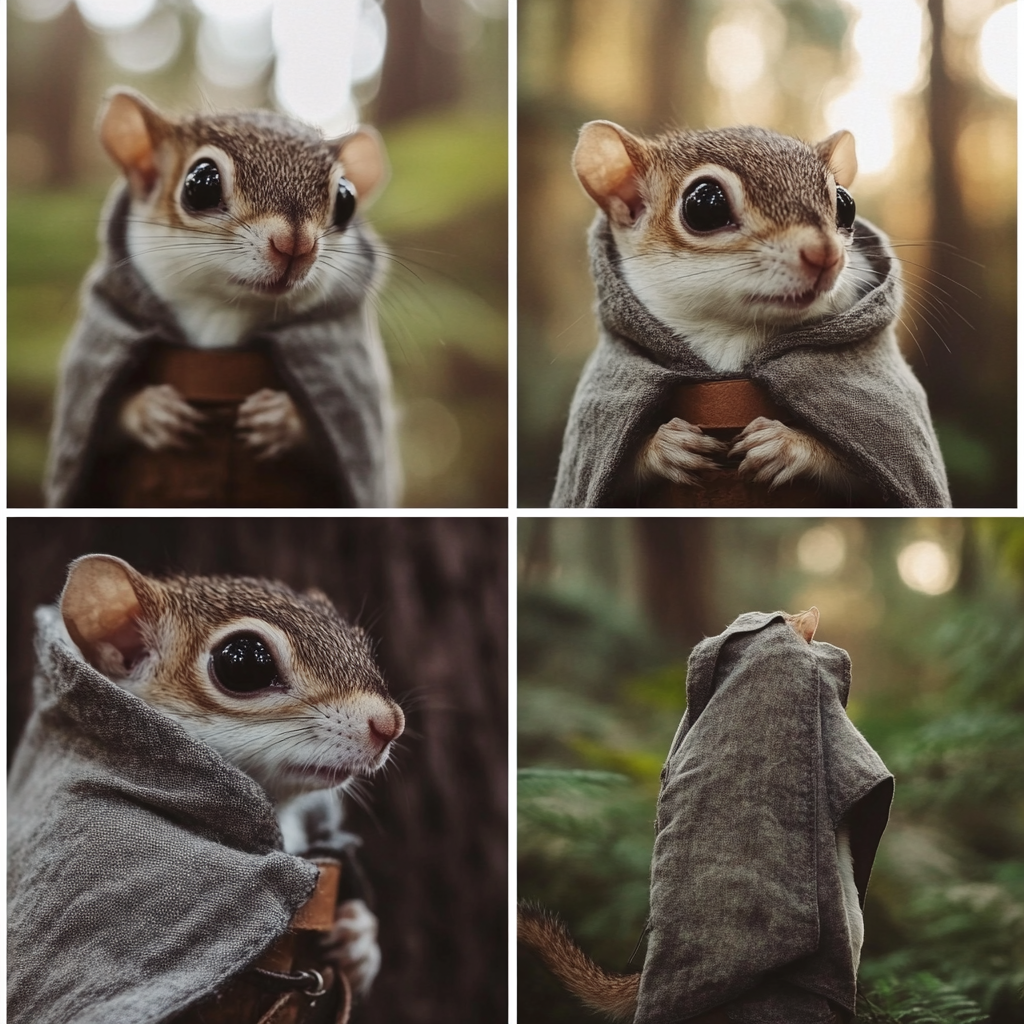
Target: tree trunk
{"type": "Point", "coordinates": [674, 564]}
{"type": "Point", "coordinates": [417, 74]}
{"type": "Point", "coordinates": [432, 594]}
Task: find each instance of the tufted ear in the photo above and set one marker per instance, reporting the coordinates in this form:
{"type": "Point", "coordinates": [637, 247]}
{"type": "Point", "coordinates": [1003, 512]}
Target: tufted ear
{"type": "Point", "coordinates": [364, 161]}
{"type": "Point", "coordinates": [316, 594]}
{"type": "Point", "coordinates": [805, 623]}
{"type": "Point", "coordinates": [103, 613]}
{"type": "Point", "coordinates": [839, 152]}
{"type": "Point", "coordinates": [609, 163]}
{"type": "Point", "coordinates": [131, 130]}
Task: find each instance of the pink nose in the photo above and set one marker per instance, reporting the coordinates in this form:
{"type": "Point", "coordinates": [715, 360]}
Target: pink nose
{"type": "Point", "coordinates": [287, 244]}
{"type": "Point", "coordinates": [385, 727]}
{"type": "Point", "coordinates": [821, 256]}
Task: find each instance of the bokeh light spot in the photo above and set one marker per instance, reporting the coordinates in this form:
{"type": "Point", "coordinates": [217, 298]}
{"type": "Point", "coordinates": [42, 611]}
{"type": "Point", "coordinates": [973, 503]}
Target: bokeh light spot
{"type": "Point", "coordinates": [735, 56]}
{"type": "Point", "coordinates": [234, 10]}
{"type": "Point", "coordinates": [432, 439]}
{"type": "Point", "coordinates": [148, 46]}
{"type": "Point", "coordinates": [926, 566]}
{"type": "Point", "coordinates": [822, 550]}
{"type": "Point", "coordinates": [114, 15]}
{"type": "Point", "coordinates": [997, 46]}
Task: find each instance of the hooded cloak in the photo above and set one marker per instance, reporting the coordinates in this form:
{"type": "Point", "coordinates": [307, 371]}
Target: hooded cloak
{"type": "Point", "coordinates": [143, 869]}
{"type": "Point", "coordinates": [842, 375]}
{"type": "Point", "coordinates": [330, 359]}
{"type": "Point", "coordinates": [746, 899]}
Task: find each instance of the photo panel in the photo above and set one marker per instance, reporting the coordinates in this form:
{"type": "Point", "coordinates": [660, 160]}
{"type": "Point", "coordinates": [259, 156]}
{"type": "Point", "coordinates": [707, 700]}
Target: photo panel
{"type": "Point", "coordinates": [726, 727]}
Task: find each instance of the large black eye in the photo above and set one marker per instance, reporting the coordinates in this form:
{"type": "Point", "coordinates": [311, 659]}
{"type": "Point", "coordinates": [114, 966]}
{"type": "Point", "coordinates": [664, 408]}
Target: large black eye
{"type": "Point", "coordinates": [345, 204]}
{"type": "Point", "coordinates": [202, 190]}
{"type": "Point", "coordinates": [846, 208]}
{"type": "Point", "coordinates": [706, 207]}
{"type": "Point", "coordinates": [243, 664]}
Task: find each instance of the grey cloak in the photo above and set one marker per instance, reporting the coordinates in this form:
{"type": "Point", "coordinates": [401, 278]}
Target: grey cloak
{"type": "Point", "coordinates": [746, 899]}
{"type": "Point", "coordinates": [843, 376]}
{"type": "Point", "coordinates": [331, 361]}
{"type": "Point", "coordinates": [143, 869]}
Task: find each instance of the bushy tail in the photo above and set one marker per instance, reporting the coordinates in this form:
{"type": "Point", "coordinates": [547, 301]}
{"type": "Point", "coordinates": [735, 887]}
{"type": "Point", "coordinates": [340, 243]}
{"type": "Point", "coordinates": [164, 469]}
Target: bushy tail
{"type": "Point", "coordinates": [612, 994]}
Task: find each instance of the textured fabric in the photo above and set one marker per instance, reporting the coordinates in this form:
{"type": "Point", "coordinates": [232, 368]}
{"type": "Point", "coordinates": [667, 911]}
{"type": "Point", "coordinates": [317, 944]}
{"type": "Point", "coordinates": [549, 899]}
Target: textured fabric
{"type": "Point", "coordinates": [746, 897]}
{"type": "Point", "coordinates": [143, 869]}
{"type": "Point", "coordinates": [331, 360]}
{"type": "Point", "coordinates": [843, 376]}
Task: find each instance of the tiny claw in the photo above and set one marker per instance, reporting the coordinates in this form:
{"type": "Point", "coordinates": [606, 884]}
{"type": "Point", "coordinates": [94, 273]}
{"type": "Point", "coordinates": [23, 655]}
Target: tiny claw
{"type": "Point", "coordinates": [682, 453]}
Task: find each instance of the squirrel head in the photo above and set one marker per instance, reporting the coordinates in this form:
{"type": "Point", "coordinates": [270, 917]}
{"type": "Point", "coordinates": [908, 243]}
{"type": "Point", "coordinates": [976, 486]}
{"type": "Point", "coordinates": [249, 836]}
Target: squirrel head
{"type": "Point", "coordinates": [276, 681]}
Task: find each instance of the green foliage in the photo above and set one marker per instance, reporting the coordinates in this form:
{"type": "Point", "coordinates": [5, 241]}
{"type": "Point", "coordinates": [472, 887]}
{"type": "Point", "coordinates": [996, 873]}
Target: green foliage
{"type": "Point", "coordinates": [585, 840]}
{"type": "Point", "coordinates": [600, 698]}
{"type": "Point", "coordinates": [445, 166]}
{"type": "Point", "coordinates": [918, 999]}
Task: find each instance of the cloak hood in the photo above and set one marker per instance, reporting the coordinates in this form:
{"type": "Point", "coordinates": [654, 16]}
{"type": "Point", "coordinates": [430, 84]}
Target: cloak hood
{"type": "Point", "coordinates": [746, 899]}
{"type": "Point", "coordinates": [330, 359]}
{"type": "Point", "coordinates": [842, 375]}
{"type": "Point", "coordinates": [143, 869]}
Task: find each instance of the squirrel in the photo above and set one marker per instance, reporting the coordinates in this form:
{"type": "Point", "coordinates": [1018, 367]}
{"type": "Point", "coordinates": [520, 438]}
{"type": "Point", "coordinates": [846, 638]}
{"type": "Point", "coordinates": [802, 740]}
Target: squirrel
{"type": "Point", "coordinates": [233, 232]}
{"type": "Point", "coordinates": [615, 995]}
{"type": "Point", "coordinates": [723, 243]}
{"type": "Point", "coordinates": [275, 681]}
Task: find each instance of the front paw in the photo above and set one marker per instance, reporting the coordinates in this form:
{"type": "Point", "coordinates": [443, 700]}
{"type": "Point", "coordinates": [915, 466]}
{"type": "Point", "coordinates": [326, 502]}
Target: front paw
{"type": "Point", "coordinates": [775, 454]}
{"type": "Point", "coordinates": [679, 451]}
{"type": "Point", "coordinates": [158, 417]}
{"type": "Point", "coordinates": [352, 946]}
{"type": "Point", "coordinates": [269, 422]}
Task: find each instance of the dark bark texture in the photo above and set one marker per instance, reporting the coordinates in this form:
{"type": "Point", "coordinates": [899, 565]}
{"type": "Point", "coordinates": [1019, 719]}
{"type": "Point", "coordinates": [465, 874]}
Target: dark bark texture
{"type": "Point", "coordinates": [433, 595]}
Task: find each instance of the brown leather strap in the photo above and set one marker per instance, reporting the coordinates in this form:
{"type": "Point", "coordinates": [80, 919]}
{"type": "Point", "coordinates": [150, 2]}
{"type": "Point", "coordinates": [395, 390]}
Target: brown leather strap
{"type": "Point", "coordinates": [317, 913]}
{"type": "Point", "coordinates": [212, 375]}
{"type": "Point", "coordinates": [725, 404]}
{"type": "Point", "coordinates": [256, 994]}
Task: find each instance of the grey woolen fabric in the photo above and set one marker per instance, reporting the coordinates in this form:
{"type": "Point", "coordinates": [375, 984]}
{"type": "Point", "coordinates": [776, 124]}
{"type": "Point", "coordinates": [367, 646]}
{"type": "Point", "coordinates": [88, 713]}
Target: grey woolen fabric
{"type": "Point", "coordinates": [143, 869]}
{"type": "Point", "coordinates": [331, 360]}
{"type": "Point", "coordinates": [843, 376]}
{"type": "Point", "coordinates": [746, 898]}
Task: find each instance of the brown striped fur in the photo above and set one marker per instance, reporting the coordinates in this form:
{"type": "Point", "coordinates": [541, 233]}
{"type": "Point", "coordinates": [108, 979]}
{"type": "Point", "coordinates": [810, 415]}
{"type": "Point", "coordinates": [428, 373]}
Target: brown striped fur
{"type": "Point", "coordinates": [611, 994]}
{"type": "Point", "coordinates": [331, 718]}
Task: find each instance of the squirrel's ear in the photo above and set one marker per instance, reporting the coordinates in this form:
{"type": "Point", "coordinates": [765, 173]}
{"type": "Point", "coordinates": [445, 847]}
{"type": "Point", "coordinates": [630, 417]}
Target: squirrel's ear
{"type": "Point", "coordinates": [840, 153]}
{"type": "Point", "coordinates": [805, 623]}
{"type": "Point", "coordinates": [316, 594]}
{"type": "Point", "coordinates": [101, 609]}
{"type": "Point", "coordinates": [131, 129]}
{"type": "Point", "coordinates": [364, 161]}
{"type": "Point", "coordinates": [609, 163]}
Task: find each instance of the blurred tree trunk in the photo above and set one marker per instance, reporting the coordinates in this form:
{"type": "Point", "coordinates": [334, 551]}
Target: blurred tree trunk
{"type": "Point", "coordinates": [674, 571]}
{"type": "Point", "coordinates": [432, 594]}
{"type": "Point", "coordinates": [44, 87]}
{"type": "Point", "coordinates": [676, 67]}
{"type": "Point", "coordinates": [418, 75]}
{"type": "Point", "coordinates": [956, 282]}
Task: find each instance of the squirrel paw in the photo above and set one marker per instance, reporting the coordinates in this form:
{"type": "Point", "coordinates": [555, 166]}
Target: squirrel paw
{"type": "Point", "coordinates": [775, 454]}
{"type": "Point", "coordinates": [679, 452]}
{"type": "Point", "coordinates": [351, 946]}
{"type": "Point", "coordinates": [158, 417]}
{"type": "Point", "coordinates": [269, 422]}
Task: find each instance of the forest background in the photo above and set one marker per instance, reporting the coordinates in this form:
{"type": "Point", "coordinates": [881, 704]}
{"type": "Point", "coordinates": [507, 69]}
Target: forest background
{"type": "Point", "coordinates": [432, 595]}
{"type": "Point", "coordinates": [932, 614]}
{"type": "Point", "coordinates": [431, 76]}
{"type": "Point", "coordinates": [937, 145]}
